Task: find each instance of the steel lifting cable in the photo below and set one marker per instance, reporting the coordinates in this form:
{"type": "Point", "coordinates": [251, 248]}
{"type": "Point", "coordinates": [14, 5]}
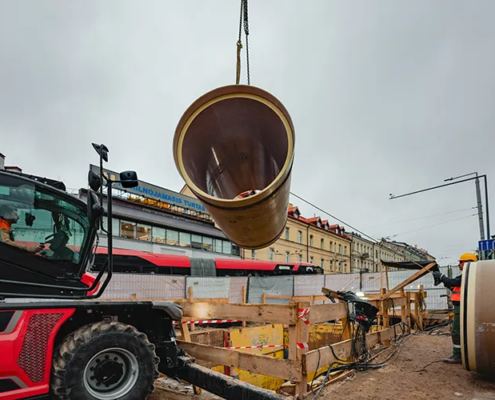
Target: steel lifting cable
{"type": "Point", "coordinates": [243, 23]}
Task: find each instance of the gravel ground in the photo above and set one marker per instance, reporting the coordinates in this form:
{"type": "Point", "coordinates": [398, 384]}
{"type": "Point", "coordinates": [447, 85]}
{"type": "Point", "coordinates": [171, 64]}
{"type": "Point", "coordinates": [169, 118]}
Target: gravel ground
{"type": "Point", "coordinates": [416, 372]}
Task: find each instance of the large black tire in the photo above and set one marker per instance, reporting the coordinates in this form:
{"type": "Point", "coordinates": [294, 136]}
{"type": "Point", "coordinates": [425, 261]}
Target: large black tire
{"type": "Point", "coordinates": [76, 370]}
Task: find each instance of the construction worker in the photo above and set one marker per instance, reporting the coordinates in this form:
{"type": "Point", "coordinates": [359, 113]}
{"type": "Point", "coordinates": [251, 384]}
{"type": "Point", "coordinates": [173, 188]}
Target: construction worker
{"type": "Point", "coordinates": [8, 217]}
{"type": "Point", "coordinates": [454, 284]}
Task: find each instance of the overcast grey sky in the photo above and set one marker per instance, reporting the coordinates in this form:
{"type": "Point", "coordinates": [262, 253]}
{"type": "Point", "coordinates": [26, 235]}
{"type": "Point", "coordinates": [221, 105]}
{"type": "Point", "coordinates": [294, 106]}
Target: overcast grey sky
{"type": "Point", "coordinates": [386, 97]}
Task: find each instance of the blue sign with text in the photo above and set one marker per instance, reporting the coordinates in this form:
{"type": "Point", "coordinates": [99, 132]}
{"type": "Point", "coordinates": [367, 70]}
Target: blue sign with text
{"type": "Point", "coordinates": [157, 193]}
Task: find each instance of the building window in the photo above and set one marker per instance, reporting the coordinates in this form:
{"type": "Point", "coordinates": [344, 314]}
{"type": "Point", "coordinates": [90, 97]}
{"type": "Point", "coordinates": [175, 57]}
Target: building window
{"type": "Point", "coordinates": [158, 235]}
{"type": "Point", "coordinates": [207, 244]}
{"type": "Point", "coordinates": [340, 249]}
{"type": "Point", "coordinates": [322, 264]}
{"type": "Point", "coordinates": [218, 246]}
{"type": "Point", "coordinates": [299, 236]}
{"type": "Point", "coordinates": [128, 230]}
{"type": "Point", "coordinates": [253, 254]}
{"type": "Point", "coordinates": [311, 260]}
{"type": "Point", "coordinates": [115, 226]}
{"type": "Point", "coordinates": [287, 235]}
{"type": "Point", "coordinates": [144, 232]}
{"type": "Point", "coordinates": [196, 241]}
{"type": "Point", "coordinates": [331, 245]}
{"type": "Point", "coordinates": [300, 257]}
{"type": "Point", "coordinates": [287, 256]}
{"type": "Point", "coordinates": [271, 254]}
{"type": "Point", "coordinates": [184, 239]}
{"type": "Point", "coordinates": [311, 240]}
{"type": "Point", "coordinates": [322, 244]}
{"type": "Point", "coordinates": [227, 247]}
{"type": "Point", "coordinates": [236, 250]}
{"type": "Point", "coordinates": [345, 250]}
{"type": "Point", "coordinates": [172, 238]}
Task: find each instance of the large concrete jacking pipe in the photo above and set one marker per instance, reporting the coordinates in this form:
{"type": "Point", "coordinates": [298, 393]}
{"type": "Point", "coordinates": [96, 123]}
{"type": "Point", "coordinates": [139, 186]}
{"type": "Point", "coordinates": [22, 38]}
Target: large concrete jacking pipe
{"type": "Point", "coordinates": [478, 317]}
{"type": "Point", "coordinates": [234, 147]}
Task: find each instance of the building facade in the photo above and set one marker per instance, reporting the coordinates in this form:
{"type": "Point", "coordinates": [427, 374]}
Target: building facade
{"type": "Point", "coordinates": [310, 240]}
{"type": "Point", "coordinates": [366, 255]}
{"type": "Point", "coordinates": [408, 252]}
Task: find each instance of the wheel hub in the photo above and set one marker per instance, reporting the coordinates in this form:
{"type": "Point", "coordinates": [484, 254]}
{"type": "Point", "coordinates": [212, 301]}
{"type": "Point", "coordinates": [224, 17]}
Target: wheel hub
{"type": "Point", "coordinates": [111, 373]}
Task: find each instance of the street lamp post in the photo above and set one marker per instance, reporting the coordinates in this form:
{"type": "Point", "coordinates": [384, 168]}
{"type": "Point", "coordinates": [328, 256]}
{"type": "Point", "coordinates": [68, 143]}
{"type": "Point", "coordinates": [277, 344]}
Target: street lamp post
{"type": "Point", "coordinates": [478, 201]}
{"type": "Point", "coordinates": [478, 195]}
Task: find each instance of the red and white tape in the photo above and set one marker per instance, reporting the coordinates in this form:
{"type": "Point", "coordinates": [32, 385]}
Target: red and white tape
{"type": "Point", "coordinates": [207, 321]}
{"type": "Point", "coordinates": [268, 346]}
{"type": "Point", "coordinates": [302, 313]}
{"type": "Point", "coordinates": [304, 345]}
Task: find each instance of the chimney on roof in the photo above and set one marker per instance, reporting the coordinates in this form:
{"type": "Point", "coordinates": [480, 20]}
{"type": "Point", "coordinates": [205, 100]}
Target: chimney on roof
{"type": "Point", "coordinates": [2, 161]}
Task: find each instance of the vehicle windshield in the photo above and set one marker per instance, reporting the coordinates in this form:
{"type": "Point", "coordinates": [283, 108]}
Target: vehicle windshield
{"type": "Point", "coordinates": [41, 221]}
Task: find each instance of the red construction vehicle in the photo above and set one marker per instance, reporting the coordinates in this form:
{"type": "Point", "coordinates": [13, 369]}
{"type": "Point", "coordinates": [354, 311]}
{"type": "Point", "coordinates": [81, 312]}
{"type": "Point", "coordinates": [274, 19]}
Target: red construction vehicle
{"type": "Point", "coordinates": [56, 344]}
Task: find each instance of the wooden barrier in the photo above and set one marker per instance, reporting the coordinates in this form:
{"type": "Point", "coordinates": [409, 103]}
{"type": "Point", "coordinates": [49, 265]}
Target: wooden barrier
{"type": "Point", "coordinates": [296, 316]}
{"type": "Point", "coordinates": [301, 362]}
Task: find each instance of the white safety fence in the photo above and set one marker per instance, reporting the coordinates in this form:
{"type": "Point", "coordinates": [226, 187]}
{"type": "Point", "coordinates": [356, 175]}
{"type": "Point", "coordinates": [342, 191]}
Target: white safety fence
{"type": "Point", "coordinates": [125, 286]}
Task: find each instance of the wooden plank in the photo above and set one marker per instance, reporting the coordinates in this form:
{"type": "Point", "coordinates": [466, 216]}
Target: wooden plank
{"type": "Point", "coordinates": [410, 280]}
{"type": "Point", "coordinates": [378, 296]}
{"type": "Point", "coordinates": [344, 349]}
{"type": "Point", "coordinates": [177, 301]}
{"type": "Point", "coordinates": [271, 313]}
{"type": "Point", "coordinates": [254, 363]}
{"type": "Point", "coordinates": [310, 298]}
{"type": "Point", "coordinates": [327, 312]}
{"type": "Point", "coordinates": [302, 337]}
{"type": "Point", "coordinates": [293, 342]}
{"type": "Point", "coordinates": [249, 312]}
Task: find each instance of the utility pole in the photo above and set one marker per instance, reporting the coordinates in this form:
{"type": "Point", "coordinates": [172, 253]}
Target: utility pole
{"type": "Point", "coordinates": [478, 201]}
{"type": "Point", "coordinates": [478, 195]}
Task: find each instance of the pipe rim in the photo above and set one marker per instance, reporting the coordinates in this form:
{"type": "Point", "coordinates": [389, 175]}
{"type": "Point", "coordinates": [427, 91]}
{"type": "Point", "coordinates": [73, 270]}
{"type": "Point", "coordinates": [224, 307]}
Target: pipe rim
{"type": "Point", "coordinates": [225, 93]}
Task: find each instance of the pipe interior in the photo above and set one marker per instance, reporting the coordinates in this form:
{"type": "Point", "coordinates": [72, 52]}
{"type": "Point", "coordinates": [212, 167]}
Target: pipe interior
{"type": "Point", "coordinates": [233, 146]}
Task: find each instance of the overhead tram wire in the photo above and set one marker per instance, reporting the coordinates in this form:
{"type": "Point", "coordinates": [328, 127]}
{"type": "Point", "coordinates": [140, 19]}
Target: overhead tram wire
{"type": "Point", "coordinates": [438, 224]}
{"type": "Point", "coordinates": [424, 217]}
{"type": "Point", "coordinates": [376, 242]}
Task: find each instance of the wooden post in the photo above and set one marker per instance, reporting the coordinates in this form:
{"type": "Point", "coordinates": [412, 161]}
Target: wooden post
{"type": "Point", "coordinates": [408, 311]}
{"type": "Point", "coordinates": [403, 308]}
{"type": "Point", "coordinates": [386, 275]}
{"type": "Point", "coordinates": [416, 312]}
{"type": "Point", "coordinates": [190, 297]}
{"type": "Point", "coordinates": [381, 275]}
{"type": "Point", "coordinates": [133, 297]}
{"type": "Point", "coordinates": [303, 338]}
{"type": "Point", "coordinates": [384, 307]}
{"type": "Point", "coordinates": [420, 313]}
{"type": "Point", "coordinates": [263, 298]}
{"type": "Point", "coordinates": [244, 301]}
